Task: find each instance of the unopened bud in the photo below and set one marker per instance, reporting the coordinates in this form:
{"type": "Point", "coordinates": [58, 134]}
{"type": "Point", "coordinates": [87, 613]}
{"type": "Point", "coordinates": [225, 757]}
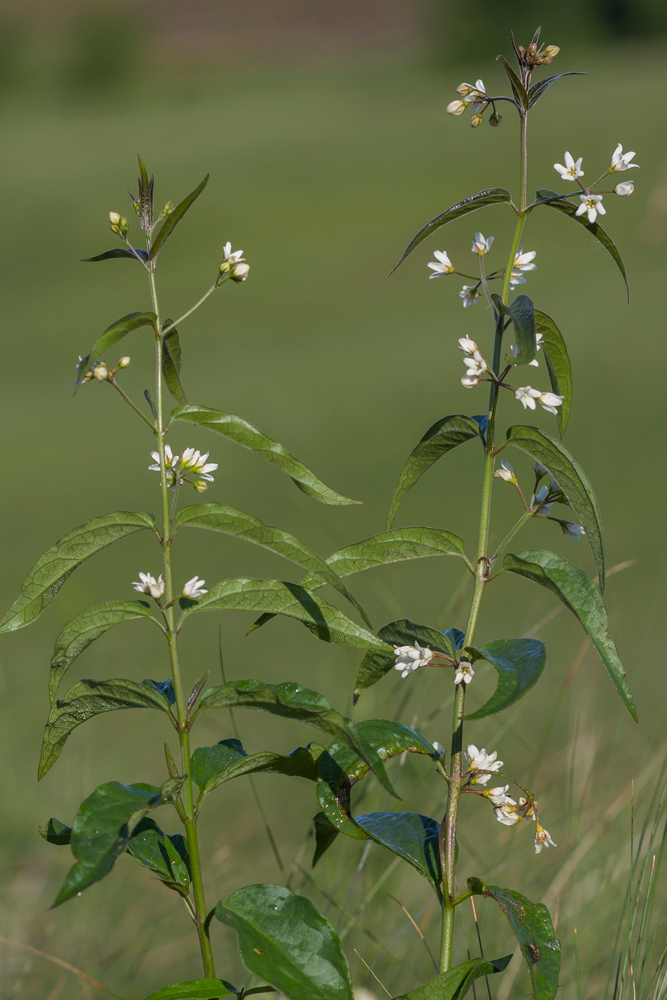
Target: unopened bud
{"type": "Point", "coordinates": [439, 750]}
{"type": "Point", "coordinates": [114, 218]}
{"type": "Point", "coordinates": [136, 205]}
{"type": "Point", "coordinates": [625, 189]}
{"type": "Point", "coordinates": [477, 119]}
{"type": "Point", "coordinates": [495, 119]}
{"type": "Point", "coordinates": [549, 52]}
{"type": "Point", "coordinates": [225, 267]}
{"type": "Point", "coordinates": [124, 362]}
{"type": "Point", "coordinates": [87, 377]}
{"type": "Point", "coordinates": [201, 486]}
{"type": "Point", "coordinates": [101, 372]}
{"type": "Point", "coordinates": [457, 107]}
{"type": "Point", "coordinates": [240, 272]}
{"type": "Point", "coordinates": [167, 210]}
{"type": "Point", "coordinates": [464, 89]}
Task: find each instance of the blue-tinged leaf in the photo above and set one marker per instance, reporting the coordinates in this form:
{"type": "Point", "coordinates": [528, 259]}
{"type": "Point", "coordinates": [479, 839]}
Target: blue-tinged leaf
{"type": "Point", "coordinates": [519, 663]}
{"type": "Point", "coordinates": [116, 252]}
{"type": "Point", "coordinates": [540, 88]}
{"type": "Point", "coordinates": [413, 837]}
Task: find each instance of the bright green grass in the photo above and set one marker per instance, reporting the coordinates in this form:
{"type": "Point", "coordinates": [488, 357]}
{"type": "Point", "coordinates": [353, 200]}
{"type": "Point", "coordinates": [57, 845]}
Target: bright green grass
{"type": "Point", "coordinates": [322, 176]}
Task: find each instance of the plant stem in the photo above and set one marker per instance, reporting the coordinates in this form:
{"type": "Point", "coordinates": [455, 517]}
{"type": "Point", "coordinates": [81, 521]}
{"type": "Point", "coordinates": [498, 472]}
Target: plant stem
{"type": "Point", "coordinates": [190, 819]}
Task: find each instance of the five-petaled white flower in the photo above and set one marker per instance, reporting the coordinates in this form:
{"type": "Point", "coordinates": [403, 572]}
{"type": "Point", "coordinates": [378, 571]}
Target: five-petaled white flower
{"type": "Point", "coordinates": [470, 295]}
{"type": "Point", "coordinates": [527, 396]}
{"type": "Point", "coordinates": [591, 205]}
{"type": "Point", "coordinates": [538, 342]}
{"type": "Point", "coordinates": [572, 168]}
{"type": "Point", "coordinates": [480, 760]}
{"type": "Point", "coordinates": [625, 188]}
{"type": "Point", "coordinates": [621, 161]}
{"type": "Point", "coordinates": [543, 839]}
{"type": "Point", "coordinates": [522, 262]}
{"type": "Point", "coordinates": [506, 472]}
{"type": "Point", "coordinates": [467, 345]}
{"type": "Point", "coordinates": [439, 750]}
{"type": "Point", "coordinates": [480, 245]}
{"type": "Point", "coordinates": [497, 796]}
{"type": "Point", "coordinates": [147, 584]}
{"type": "Point", "coordinates": [443, 265]}
{"type": "Point", "coordinates": [193, 461]}
{"type": "Point", "coordinates": [411, 658]}
{"type": "Point", "coordinates": [464, 673]}
{"type": "Point", "coordinates": [194, 588]}
{"type": "Point", "coordinates": [229, 258]}
{"type": "Point", "coordinates": [572, 530]}
{"type": "Point", "coordinates": [506, 813]}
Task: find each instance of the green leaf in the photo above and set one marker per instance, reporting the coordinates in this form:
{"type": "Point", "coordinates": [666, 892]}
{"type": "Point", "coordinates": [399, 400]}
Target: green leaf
{"type": "Point", "coordinates": [325, 834]}
{"type": "Point", "coordinates": [170, 223]}
{"type": "Point", "coordinates": [414, 837]}
{"type": "Point", "coordinates": [116, 252]}
{"type": "Point", "coordinates": [101, 832]}
{"type": "Point", "coordinates": [454, 985]}
{"type": "Point", "coordinates": [572, 480]}
{"type": "Point", "coordinates": [83, 701]}
{"type": "Point", "coordinates": [293, 701]}
{"type": "Point", "coordinates": [519, 663]}
{"type": "Point", "coordinates": [553, 200]}
{"type": "Point", "coordinates": [534, 931]}
{"type": "Point", "coordinates": [558, 365]}
{"type": "Point", "coordinates": [111, 336]}
{"type": "Point", "coordinates": [540, 88]}
{"type": "Point", "coordinates": [146, 189]}
{"type": "Point", "coordinates": [207, 762]}
{"type": "Point", "coordinates": [171, 363]}
{"type": "Point", "coordinates": [243, 433]}
{"type": "Point", "coordinates": [56, 832]}
{"type": "Point", "coordinates": [578, 593]}
{"type": "Point", "coordinates": [50, 572]}
{"type": "Point", "coordinates": [193, 989]}
{"type": "Point", "coordinates": [232, 521]}
{"type": "Point", "coordinates": [522, 314]}
{"type": "Point", "coordinates": [490, 196]}
{"type": "Point", "coordinates": [518, 89]}
{"type": "Point", "coordinates": [164, 855]}
{"type": "Point", "coordinates": [377, 663]}
{"type": "Point", "coordinates": [85, 629]}
{"type": "Point", "coordinates": [212, 766]}
{"type": "Point", "coordinates": [283, 598]}
{"type": "Point", "coordinates": [442, 437]}
{"type": "Point", "coordinates": [286, 942]}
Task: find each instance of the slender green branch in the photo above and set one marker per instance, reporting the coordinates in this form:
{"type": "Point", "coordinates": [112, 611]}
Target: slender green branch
{"type": "Point", "coordinates": [510, 534]}
{"type": "Point", "coordinates": [129, 402]}
{"type": "Point", "coordinates": [177, 322]}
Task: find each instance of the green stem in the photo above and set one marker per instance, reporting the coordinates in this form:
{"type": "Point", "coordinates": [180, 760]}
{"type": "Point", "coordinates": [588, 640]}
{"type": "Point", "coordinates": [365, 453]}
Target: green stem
{"type": "Point", "coordinates": [133, 405]}
{"type": "Point", "coordinates": [190, 819]}
{"type": "Point", "coordinates": [510, 535]}
{"type": "Point", "coordinates": [175, 323]}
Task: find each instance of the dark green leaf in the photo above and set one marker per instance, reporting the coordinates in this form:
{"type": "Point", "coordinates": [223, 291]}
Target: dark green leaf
{"type": "Point", "coordinates": [413, 837]}
{"type": "Point", "coordinates": [207, 762]}
{"type": "Point", "coordinates": [146, 188]}
{"type": "Point", "coordinates": [166, 856]}
{"type": "Point", "coordinates": [554, 200]}
{"type": "Point", "coordinates": [519, 663]}
{"type": "Point", "coordinates": [518, 89]}
{"type": "Point", "coordinates": [171, 363]}
{"type": "Point", "coordinates": [286, 942]}
{"type": "Point", "coordinates": [111, 336]}
{"type": "Point", "coordinates": [193, 989]}
{"type": "Point", "coordinates": [522, 314]}
{"type": "Point", "coordinates": [50, 572]}
{"type": "Point", "coordinates": [572, 480]}
{"type": "Point", "coordinates": [85, 629]}
{"type": "Point", "coordinates": [325, 834]}
{"type": "Point", "coordinates": [212, 766]}
{"type": "Point", "coordinates": [116, 252]}
{"type": "Point", "coordinates": [172, 220]}
{"type": "Point", "coordinates": [86, 699]}
{"type": "Point", "coordinates": [558, 365]}
{"type": "Point", "coordinates": [577, 592]}
{"type": "Point", "coordinates": [293, 701]}
{"type": "Point", "coordinates": [540, 88]}
{"type": "Point", "coordinates": [247, 436]}
{"type": "Point", "coordinates": [56, 832]}
{"type": "Point", "coordinates": [377, 663]}
{"type": "Point", "coordinates": [490, 196]}
{"type": "Point", "coordinates": [439, 439]}
{"type": "Point", "coordinates": [101, 832]}
{"type": "Point", "coordinates": [534, 931]}
{"type": "Point", "coordinates": [454, 985]}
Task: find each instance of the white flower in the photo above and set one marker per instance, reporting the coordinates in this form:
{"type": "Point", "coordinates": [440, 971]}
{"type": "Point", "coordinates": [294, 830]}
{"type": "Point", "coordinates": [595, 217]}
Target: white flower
{"type": "Point", "coordinates": [522, 263]}
{"type": "Point", "coordinates": [478, 91]}
{"type": "Point", "coordinates": [572, 530]}
{"type": "Point", "coordinates": [506, 472]}
{"type": "Point", "coordinates": [621, 160]}
{"type": "Point", "coordinates": [549, 401]}
{"type": "Point", "coordinates": [439, 750]}
{"type": "Point", "coordinates": [171, 460]}
{"type": "Point", "coordinates": [194, 588]}
{"type": "Point", "coordinates": [540, 497]}
{"type": "Point", "coordinates": [470, 295]}
{"type": "Point", "coordinates": [457, 107]}
{"type": "Point", "coordinates": [543, 839]}
{"type": "Point", "coordinates": [538, 343]}
{"type": "Point", "coordinates": [591, 204]}
{"type": "Point", "coordinates": [497, 796]}
{"type": "Point", "coordinates": [527, 396]}
{"type": "Point", "coordinates": [480, 245]}
{"type": "Point", "coordinates": [232, 256]}
{"type": "Point", "coordinates": [149, 585]}
{"type": "Point", "coordinates": [193, 461]}
{"type": "Point", "coordinates": [464, 673]}
{"type": "Point", "coordinates": [444, 265]}
{"type": "Point", "coordinates": [506, 813]}
{"type": "Point", "coordinates": [411, 658]}
{"type": "Point", "coordinates": [467, 345]}
{"type": "Point", "coordinates": [100, 371]}
{"type": "Point", "coordinates": [480, 760]}
{"type": "Point", "coordinates": [469, 381]}
{"type": "Point", "coordinates": [572, 168]}
{"type": "Point", "coordinates": [625, 188]}
{"type": "Point", "coordinates": [240, 272]}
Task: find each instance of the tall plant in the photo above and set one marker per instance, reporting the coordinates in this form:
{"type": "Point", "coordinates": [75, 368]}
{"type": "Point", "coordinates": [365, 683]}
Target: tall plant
{"type": "Point", "coordinates": [283, 940]}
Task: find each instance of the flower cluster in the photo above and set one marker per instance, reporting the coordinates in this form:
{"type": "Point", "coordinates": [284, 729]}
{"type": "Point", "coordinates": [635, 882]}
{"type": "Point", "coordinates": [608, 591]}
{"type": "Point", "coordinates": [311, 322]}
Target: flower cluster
{"type": "Point", "coordinates": [543, 499]}
{"type": "Point", "coordinates": [590, 203]}
{"type": "Point", "coordinates": [234, 264]}
{"type": "Point", "coordinates": [101, 371]}
{"type": "Point", "coordinates": [481, 245]}
{"type": "Point", "coordinates": [147, 584]}
{"type": "Point", "coordinates": [480, 760]}
{"type": "Point", "coordinates": [411, 658]}
{"type": "Point", "coordinates": [179, 467]}
{"type": "Point", "coordinates": [475, 98]}
{"type": "Point", "coordinates": [527, 396]}
{"type": "Point", "coordinates": [464, 672]}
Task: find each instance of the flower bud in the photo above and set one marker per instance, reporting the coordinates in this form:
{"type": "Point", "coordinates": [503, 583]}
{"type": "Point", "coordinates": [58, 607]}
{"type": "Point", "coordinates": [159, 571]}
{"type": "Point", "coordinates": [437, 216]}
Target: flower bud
{"type": "Point", "coordinates": [201, 486]}
{"type": "Point", "coordinates": [167, 210]}
{"type": "Point", "coordinates": [124, 362]}
{"type": "Point", "coordinates": [477, 119]}
{"type": "Point", "coordinates": [240, 272]}
{"type": "Point", "coordinates": [225, 267]}
{"type": "Point", "coordinates": [114, 218]}
{"type": "Point", "coordinates": [625, 189]}
{"type": "Point", "coordinates": [549, 52]}
{"type": "Point", "coordinates": [101, 372]}
{"type": "Point", "coordinates": [439, 750]}
{"type": "Point", "coordinates": [456, 107]}
{"type": "Point", "coordinates": [464, 89]}
{"type": "Point", "coordinates": [495, 119]}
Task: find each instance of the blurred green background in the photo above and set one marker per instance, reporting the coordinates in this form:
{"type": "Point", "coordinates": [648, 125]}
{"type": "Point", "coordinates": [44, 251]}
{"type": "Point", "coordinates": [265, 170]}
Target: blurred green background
{"type": "Point", "coordinates": [324, 130]}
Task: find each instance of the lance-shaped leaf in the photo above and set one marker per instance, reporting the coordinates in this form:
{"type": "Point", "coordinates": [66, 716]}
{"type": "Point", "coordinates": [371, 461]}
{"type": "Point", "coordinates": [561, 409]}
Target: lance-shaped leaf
{"type": "Point", "coordinates": [454, 985]}
{"type": "Point", "coordinates": [413, 837]}
{"type": "Point", "coordinates": [146, 193]}
{"type": "Point", "coordinates": [171, 363]}
{"type": "Point", "coordinates": [522, 314]}
{"type": "Point", "coordinates": [212, 766]}
{"type": "Point", "coordinates": [195, 989]}
{"type": "Point", "coordinates": [442, 437]}
{"type": "Point", "coordinates": [172, 220]}
{"type": "Point", "coordinates": [518, 89]}
{"type": "Point", "coordinates": [554, 200]}
{"type": "Point", "coordinates": [243, 433]}
{"type": "Point", "coordinates": [558, 365]}
{"type": "Point", "coordinates": [85, 629]}
{"type": "Point", "coordinates": [377, 663]}
{"type": "Point", "coordinates": [89, 698]}
{"type": "Point", "coordinates": [293, 701]}
{"type": "Point", "coordinates": [111, 336]}
{"type": "Point", "coordinates": [285, 942]}
{"type": "Point", "coordinates": [573, 481]}
{"type": "Point", "coordinates": [325, 834]}
{"type": "Point", "coordinates": [490, 196]}
{"type": "Point", "coordinates": [163, 854]}
{"type": "Point", "coordinates": [116, 252]}
{"type": "Point", "coordinates": [534, 931]}
{"type": "Point", "coordinates": [102, 830]}
{"type": "Point", "coordinates": [540, 88]}
{"type": "Point", "coordinates": [282, 598]}
{"type": "Point", "coordinates": [519, 663]}
{"type": "Point", "coordinates": [578, 593]}
{"type": "Point", "coordinates": [232, 521]}
{"type": "Point", "coordinates": [341, 768]}
{"type": "Point", "coordinates": [50, 572]}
